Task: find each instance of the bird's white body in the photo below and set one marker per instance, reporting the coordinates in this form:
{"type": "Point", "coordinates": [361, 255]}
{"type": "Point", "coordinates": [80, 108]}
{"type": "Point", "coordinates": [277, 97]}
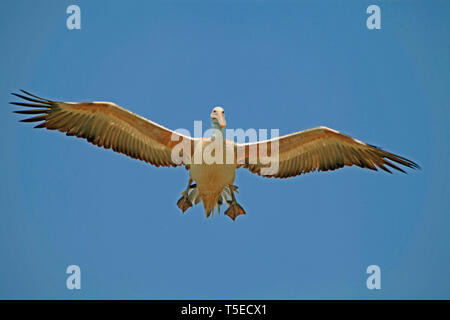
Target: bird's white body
{"type": "Point", "coordinates": [211, 178]}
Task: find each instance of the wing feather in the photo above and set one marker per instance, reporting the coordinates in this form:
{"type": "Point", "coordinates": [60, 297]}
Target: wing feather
{"type": "Point", "coordinates": [106, 125]}
{"type": "Point", "coordinates": [322, 149]}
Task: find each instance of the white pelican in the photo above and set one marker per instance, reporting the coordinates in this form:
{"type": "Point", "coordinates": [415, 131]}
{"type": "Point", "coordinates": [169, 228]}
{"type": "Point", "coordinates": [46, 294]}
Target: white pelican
{"type": "Point", "coordinates": [107, 125]}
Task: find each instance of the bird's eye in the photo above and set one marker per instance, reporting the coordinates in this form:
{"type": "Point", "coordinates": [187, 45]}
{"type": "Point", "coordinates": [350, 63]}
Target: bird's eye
{"type": "Point", "coordinates": [223, 112]}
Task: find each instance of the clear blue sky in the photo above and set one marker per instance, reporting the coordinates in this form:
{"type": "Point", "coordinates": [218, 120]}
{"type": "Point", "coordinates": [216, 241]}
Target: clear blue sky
{"type": "Point", "coordinates": [290, 65]}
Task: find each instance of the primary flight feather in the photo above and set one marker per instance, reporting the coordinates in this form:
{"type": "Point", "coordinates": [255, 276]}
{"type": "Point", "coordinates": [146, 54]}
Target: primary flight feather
{"type": "Point", "coordinates": [107, 125]}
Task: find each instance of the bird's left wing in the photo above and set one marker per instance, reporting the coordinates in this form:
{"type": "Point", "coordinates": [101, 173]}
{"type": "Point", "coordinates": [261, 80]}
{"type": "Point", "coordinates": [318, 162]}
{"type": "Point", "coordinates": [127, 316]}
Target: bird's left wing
{"type": "Point", "coordinates": [107, 125]}
{"type": "Point", "coordinates": [319, 149]}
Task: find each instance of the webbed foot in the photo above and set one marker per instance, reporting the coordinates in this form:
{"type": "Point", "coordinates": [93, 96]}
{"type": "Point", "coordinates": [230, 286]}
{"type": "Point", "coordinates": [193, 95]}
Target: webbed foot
{"type": "Point", "coordinates": [234, 210]}
{"type": "Point", "coordinates": [184, 203]}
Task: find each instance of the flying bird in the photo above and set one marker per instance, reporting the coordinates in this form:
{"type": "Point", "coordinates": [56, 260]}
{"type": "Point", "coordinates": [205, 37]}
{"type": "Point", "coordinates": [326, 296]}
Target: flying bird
{"type": "Point", "coordinates": [108, 125]}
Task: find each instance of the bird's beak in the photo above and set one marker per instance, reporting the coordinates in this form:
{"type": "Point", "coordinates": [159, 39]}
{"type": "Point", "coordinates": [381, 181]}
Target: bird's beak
{"type": "Point", "coordinates": [221, 119]}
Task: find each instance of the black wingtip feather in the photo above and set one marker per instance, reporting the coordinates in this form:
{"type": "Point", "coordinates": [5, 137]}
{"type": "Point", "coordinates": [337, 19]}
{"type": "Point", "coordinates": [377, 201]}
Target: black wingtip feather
{"type": "Point", "coordinates": [34, 119]}
{"type": "Point", "coordinates": [38, 111]}
{"type": "Point", "coordinates": [41, 125]}
{"type": "Point", "coordinates": [44, 106]}
{"type": "Point", "coordinates": [32, 95]}
{"type": "Point", "coordinates": [27, 98]}
{"type": "Point", "coordinates": [30, 105]}
{"type": "Point", "coordinates": [398, 159]}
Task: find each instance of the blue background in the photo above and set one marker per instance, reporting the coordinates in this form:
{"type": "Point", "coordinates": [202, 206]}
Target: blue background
{"type": "Point", "coordinates": [290, 65]}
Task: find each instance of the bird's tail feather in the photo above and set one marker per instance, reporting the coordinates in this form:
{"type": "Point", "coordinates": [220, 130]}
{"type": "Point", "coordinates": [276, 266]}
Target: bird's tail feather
{"type": "Point", "coordinates": [211, 201]}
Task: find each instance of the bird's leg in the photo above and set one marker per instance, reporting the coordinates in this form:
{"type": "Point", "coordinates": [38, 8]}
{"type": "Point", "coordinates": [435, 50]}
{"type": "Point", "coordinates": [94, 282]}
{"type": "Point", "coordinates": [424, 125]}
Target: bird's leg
{"type": "Point", "coordinates": [234, 209]}
{"type": "Point", "coordinates": [184, 203]}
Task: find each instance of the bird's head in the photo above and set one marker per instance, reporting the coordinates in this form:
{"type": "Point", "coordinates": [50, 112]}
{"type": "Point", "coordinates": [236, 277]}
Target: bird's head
{"type": "Point", "coordinates": [218, 118]}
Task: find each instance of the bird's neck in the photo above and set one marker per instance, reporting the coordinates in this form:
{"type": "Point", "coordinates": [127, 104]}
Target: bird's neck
{"type": "Point", "coordinates": [218, 131]}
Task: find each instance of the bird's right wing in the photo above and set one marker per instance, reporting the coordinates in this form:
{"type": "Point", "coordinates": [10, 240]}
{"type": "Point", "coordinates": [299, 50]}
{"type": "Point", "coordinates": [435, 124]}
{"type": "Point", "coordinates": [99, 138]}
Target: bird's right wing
{"type": "Point", "coordinates": [314, 149]}
{"type": "Point", "coordinates": [107, 125]}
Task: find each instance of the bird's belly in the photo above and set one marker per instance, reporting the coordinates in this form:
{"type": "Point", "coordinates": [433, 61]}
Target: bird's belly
{"type": "Point", "coordinates": [212, 178]}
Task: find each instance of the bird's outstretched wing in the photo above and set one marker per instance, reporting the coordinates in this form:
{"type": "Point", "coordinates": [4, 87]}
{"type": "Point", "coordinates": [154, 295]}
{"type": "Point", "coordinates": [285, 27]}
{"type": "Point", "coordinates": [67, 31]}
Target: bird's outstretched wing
{"type": "Point", "coordinates": [319, 149]}
{"type": "Point", "coordinates": [105, 124]}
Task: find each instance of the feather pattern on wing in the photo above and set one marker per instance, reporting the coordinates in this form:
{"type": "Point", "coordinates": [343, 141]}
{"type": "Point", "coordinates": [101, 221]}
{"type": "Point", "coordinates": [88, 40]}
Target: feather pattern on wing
{"type": "Point", "coordinates": [320, 149]}
{"type": "Point", "coordinates": [105, 124]}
